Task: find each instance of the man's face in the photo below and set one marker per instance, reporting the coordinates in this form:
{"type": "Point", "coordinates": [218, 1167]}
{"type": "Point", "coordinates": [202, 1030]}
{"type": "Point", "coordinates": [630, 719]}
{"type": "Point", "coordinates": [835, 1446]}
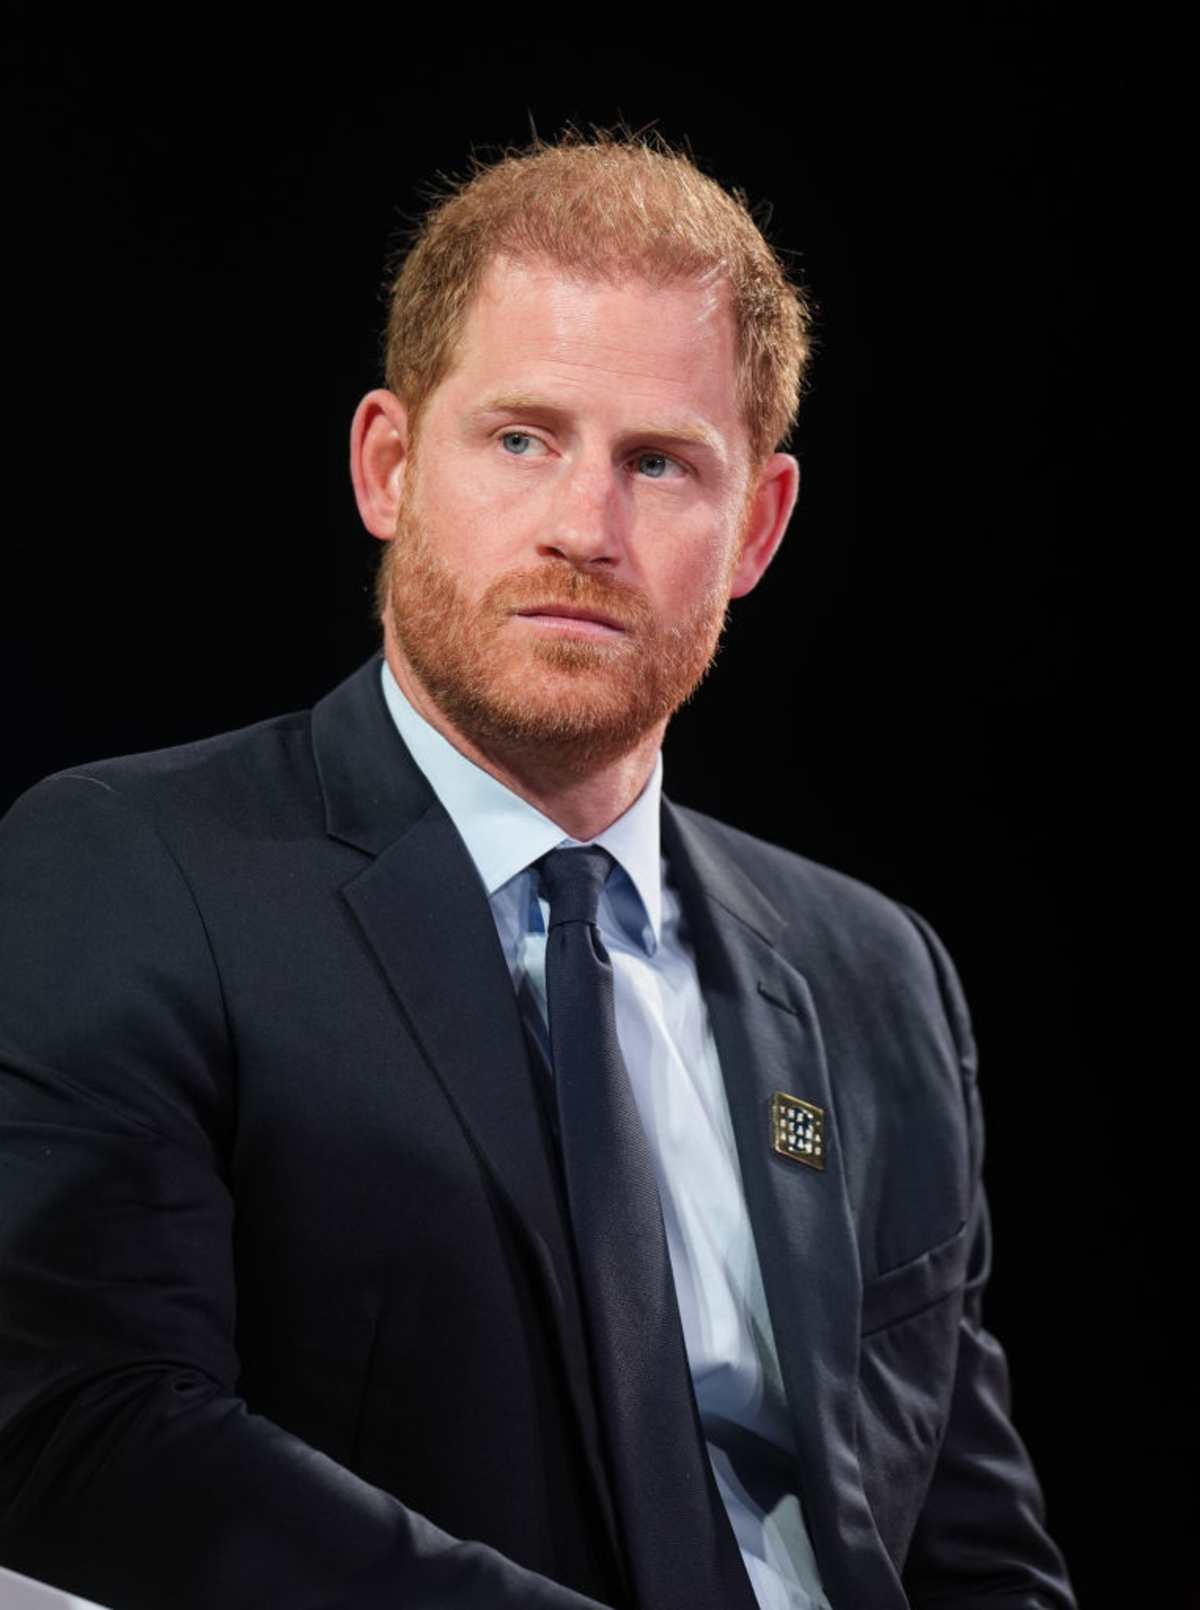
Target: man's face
{"type": "Point", "coordinates": [571, 513]}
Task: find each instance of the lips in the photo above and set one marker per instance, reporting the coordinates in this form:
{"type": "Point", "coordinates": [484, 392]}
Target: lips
{"type": "Point", "coordinates": [575, 612]}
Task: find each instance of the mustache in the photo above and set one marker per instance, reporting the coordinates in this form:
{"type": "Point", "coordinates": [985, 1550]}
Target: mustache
{"type": "Point", "coordinates": [544, 586]}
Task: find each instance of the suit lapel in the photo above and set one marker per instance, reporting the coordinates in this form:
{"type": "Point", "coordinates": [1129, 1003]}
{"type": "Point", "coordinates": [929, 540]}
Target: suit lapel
{"type": "Point", "coordinates": [768, 1039]}
{"type": "Point", "coordinates": [422, 909]}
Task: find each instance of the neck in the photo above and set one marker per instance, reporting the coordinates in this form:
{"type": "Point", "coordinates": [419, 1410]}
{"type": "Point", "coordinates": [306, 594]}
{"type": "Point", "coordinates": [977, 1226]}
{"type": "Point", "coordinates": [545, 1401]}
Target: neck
{"type": "Point", "coordinates": [581, 791]}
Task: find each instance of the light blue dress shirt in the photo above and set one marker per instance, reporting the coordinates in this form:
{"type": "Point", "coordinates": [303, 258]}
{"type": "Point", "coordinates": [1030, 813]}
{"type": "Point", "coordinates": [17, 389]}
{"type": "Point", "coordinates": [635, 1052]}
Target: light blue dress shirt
{"type": "Point", "coordinates": [669, 1051]}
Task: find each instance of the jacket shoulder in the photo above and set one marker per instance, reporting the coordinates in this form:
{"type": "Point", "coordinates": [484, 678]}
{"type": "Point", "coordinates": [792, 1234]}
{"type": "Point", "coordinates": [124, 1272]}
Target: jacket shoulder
{"type": "Point", "coordinates": [247, 779]}
{"type": "Point", "coordinates": [794, 884]}
{"type": "Point", "coordinates": [850, 926]}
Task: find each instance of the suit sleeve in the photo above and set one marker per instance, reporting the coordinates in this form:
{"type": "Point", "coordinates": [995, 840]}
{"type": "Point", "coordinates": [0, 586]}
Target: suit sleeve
{"type": "Point", "coordinates": [980, 1541]}
{"type": "Point", "coordinates": [131, 1471]}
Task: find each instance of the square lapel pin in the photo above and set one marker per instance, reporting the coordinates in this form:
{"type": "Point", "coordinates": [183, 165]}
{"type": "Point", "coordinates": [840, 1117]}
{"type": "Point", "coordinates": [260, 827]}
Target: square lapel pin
{"type": "Point", "coordinates": [798, 1129]}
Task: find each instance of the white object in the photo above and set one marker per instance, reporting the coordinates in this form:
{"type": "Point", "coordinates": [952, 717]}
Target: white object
{"type": "Point", "coordinates": [23, 1593]}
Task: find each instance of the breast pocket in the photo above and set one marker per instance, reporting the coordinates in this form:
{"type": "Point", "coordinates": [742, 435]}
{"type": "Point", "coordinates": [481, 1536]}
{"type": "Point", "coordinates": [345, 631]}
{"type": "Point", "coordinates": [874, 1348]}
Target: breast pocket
{"type": "Point", "coordinates": [910, 1329]}
{"type": "Point", "coordinates": [915, 1285]}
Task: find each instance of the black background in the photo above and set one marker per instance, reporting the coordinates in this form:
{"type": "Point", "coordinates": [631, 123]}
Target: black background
{"type": "Point", "coordinates": [197, 230]}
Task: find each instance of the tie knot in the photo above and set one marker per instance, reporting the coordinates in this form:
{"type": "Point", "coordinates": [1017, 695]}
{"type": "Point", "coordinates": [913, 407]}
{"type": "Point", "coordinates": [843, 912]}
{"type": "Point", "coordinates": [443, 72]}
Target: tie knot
{"type": "Point", "coordinates": [572, 880]}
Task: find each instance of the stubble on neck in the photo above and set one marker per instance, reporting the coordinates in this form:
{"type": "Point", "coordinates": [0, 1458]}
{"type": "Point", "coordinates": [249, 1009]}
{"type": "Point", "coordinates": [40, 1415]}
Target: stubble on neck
{"type": "Point", "coordinates": [578, 784]}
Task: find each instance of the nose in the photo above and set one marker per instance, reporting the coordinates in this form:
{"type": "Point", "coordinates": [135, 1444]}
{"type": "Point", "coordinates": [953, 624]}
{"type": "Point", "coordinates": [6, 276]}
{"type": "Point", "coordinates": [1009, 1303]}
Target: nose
{"type": "Point", "coordinates": [584, 525]}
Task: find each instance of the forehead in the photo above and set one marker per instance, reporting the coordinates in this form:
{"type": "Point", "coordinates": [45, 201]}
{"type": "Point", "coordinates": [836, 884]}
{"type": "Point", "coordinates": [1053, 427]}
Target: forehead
{"type": "Point", "coordinates": [535, 325]}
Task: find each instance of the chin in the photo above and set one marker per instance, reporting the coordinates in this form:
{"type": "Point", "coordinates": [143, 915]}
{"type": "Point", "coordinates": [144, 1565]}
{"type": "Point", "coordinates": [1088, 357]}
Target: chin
{"type": "Point", "coordinates": [559, 715]}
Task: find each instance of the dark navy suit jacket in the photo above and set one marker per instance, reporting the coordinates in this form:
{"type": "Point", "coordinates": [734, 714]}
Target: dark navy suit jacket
{"type": "Point", "coordinates": [287, 1309]}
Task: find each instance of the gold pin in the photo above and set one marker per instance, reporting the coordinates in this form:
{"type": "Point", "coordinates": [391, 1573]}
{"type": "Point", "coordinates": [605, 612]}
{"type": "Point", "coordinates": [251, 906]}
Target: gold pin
{"type": "Point", "coordinates": [798, 1129]}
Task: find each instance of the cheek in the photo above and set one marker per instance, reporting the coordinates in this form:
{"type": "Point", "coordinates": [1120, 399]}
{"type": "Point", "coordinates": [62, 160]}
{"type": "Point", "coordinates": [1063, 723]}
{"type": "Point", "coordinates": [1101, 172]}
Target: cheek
{"type": "Point", "coordinates": [481, 520]}
{"type": "Point", "coordinates": [690, 562]}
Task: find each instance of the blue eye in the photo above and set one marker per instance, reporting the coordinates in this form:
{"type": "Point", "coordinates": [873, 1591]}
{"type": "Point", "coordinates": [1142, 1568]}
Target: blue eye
{"type": "Point", "coordinates": [516, 442]}
{"type": "Point", "coordinates": [653, 465]}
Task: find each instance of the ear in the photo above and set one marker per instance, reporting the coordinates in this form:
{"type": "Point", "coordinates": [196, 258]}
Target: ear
{"type": "Point", "coordinates": [769, 508]}
{"type": "Point", "coordinates": [378, 460]}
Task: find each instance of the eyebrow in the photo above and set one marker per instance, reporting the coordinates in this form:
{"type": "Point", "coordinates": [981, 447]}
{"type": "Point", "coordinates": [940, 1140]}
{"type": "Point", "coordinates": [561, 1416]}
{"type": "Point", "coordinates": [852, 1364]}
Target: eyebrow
{"type": "Point", "coordinates": [689, 432]}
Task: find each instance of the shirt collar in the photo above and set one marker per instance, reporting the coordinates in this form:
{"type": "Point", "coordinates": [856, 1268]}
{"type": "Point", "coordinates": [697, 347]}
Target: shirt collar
{"type": "Point", "coordinates": [504, 834]}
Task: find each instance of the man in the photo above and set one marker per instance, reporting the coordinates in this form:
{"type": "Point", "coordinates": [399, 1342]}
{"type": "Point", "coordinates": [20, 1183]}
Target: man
{"type": "Point", "coordinates": [436, 1169]}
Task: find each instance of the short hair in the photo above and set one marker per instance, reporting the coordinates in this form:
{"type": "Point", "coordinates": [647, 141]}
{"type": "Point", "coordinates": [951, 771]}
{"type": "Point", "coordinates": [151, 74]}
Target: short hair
{"type": "Point", "coordinates": [600, 206]}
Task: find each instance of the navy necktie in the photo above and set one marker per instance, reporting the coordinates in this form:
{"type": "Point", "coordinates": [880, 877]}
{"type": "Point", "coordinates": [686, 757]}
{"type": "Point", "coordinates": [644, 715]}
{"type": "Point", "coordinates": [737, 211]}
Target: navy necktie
{"type": "Point", "coordinates": [681, 1552]}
